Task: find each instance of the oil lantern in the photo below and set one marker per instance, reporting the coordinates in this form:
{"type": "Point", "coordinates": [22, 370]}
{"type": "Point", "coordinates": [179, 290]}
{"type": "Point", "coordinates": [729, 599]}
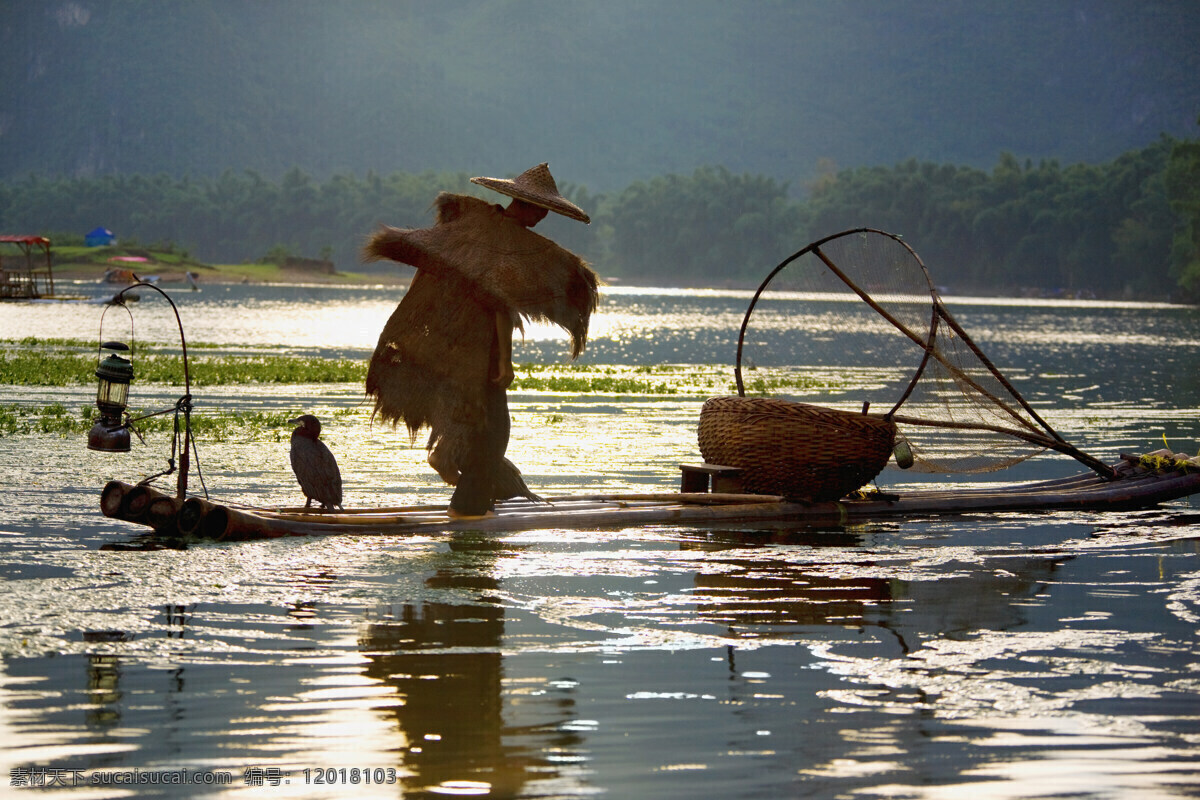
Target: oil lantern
{"type": "Point", "coordinates": [114, 372]}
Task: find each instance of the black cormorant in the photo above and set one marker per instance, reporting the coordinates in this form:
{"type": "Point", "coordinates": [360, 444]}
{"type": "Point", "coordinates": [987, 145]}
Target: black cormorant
{"type": "Point", "coordinates": [314, 465]}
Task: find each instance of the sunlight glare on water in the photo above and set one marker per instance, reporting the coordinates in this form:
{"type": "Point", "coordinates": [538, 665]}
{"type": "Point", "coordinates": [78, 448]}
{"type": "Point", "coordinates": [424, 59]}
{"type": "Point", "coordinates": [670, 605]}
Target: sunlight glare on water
{"type": "Point", "coordinates": [1000, 655]}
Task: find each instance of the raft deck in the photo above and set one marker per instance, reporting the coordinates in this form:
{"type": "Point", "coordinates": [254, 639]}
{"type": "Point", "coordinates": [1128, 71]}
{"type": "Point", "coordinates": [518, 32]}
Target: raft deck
{"type": "Point", "coordinates": [1135, 487]}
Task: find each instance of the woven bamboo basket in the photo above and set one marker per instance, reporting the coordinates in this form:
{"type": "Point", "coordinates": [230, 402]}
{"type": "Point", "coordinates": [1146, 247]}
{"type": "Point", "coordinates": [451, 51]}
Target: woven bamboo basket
{"type": "Point", "coordinates": [800, 451]}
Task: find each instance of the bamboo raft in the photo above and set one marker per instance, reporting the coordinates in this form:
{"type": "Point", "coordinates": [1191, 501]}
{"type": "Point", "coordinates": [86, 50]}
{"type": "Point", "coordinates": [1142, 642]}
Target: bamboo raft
{"type": "Point", "coordinates": [1136, 486]}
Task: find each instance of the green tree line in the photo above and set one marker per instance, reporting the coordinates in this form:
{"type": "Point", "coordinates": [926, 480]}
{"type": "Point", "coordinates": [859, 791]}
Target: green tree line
{"type": "Point", "coordinates": [1129, 227]}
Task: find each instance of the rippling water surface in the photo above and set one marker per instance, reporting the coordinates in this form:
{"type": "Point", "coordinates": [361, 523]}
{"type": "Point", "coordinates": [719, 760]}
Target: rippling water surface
{"type": "Point", "coordinates": [985, 655]}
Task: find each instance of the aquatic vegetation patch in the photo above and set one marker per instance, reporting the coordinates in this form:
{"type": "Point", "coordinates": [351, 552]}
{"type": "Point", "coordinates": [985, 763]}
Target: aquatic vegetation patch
{"type": "Point", "coordinates": [72, 362]}
{"type": "Point", "coordinates": [765, 387]}
{"type": "Point", "coordinates": [53, 418]}
{"type": "Point", "coordinates": [532, 379]}
{"type": "Point", "coordinates": [227, 370]}
{"type": "Point", "coordinates": [91, 344]}
{"type": "Point", "coordinates": [655, 379]}
{"type": "Point", "coordinates": [42, 369]}
{"type": "Point", "coordinates": [211, 425]}
{"type": "Point", "coordinates": [35, 368]}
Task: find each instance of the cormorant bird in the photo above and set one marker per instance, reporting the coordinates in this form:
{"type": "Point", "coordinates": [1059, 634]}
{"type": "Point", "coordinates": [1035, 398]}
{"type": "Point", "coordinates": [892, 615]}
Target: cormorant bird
{"type": "Point", "coordinates": [314, 465]}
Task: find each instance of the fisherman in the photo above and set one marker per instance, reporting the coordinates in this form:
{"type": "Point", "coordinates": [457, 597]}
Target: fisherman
{"type": "Point", "coordinates": [444, 359]}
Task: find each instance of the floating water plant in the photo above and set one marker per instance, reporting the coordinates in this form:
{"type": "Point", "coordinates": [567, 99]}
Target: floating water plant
{"type": "Point", "coordinates": [33, 368]}
{"type": "Point", "coordinates": [72, 362]}
{"type": "Point", "coordinates": [212, 425]}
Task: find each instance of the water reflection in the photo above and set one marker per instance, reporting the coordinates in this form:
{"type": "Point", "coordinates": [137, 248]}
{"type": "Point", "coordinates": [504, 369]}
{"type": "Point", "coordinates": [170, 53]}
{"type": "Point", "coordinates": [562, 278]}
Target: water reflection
{"type": "Point", "coordinates": [1001, 655]}
{"type": "Point", "coordinates": [445, 660]}
{"type": "Point", "coordinates": [752, 595]}
{"type": "Point", "coordinates": [794, 661]}
{"type": "Point", "coordinates": [451, 715]}
{"type": "Point", "coordinates": [764, 597]}
{"type": "Point", "coordinates": [104, 692]}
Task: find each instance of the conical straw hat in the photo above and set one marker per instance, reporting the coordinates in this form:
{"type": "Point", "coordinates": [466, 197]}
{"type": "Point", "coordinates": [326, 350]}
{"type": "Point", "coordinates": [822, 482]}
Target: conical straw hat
{"type": "Point", "coordinates": [536, 185]}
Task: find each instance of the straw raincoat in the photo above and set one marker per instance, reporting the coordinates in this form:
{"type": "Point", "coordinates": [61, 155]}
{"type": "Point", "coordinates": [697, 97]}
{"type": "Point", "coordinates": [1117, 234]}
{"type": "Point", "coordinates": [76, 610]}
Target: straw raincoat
{"type": "Point", "coordinates": [434, 363]}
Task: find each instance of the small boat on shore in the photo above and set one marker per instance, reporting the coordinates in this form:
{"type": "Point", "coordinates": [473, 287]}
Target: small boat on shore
{"type": "Point", "coordinates": [1140, 482]}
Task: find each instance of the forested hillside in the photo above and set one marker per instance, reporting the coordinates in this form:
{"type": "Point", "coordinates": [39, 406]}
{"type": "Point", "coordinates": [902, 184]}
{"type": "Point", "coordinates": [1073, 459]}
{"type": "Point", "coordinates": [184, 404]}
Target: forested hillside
{"type": "Point", "coordinates": [608, 92]}
{"type": "Point", "coordinates": [1019, 145]}
{"type": "Point", "coordinates": [1124, 228]}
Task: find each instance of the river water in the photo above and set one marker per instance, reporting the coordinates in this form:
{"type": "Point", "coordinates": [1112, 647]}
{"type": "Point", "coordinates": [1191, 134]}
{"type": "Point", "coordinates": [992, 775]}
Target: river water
{"type": "Point", "coordinates": [986, 655]}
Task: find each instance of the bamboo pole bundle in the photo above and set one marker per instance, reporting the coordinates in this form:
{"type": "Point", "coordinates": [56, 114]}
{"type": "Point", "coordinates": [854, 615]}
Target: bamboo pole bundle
{"type": "Point", "coordinates": [162, 515]}
{"type": "Point", "coordinates": [142, 504]}
{"type": "Point", "coordinates": [1135, 487]}
{"type": "Point", "coordinates": [136, 502]}
{"type": "Point", "coordinates": [111, 497]}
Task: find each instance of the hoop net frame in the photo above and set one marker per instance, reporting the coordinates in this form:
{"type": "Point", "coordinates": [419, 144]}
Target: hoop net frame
{"type": "Point", "coordinates": [864, 293]}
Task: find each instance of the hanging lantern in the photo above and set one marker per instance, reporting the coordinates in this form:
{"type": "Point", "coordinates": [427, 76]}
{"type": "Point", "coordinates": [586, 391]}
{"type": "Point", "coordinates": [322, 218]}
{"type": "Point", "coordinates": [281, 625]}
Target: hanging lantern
{"type": "Point", "coordinates": [114, 373]}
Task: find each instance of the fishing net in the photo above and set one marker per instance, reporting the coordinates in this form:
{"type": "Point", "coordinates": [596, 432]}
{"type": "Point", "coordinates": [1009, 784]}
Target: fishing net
{"type": "Point", "coordinates": [854, 320]}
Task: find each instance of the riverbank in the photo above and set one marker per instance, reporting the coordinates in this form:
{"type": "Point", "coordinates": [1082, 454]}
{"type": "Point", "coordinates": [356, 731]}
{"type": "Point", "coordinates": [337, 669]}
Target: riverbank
{"type": "Point", "coordinates": [219, 274]}
{"type": "Point", "coordinates": [121, 265]}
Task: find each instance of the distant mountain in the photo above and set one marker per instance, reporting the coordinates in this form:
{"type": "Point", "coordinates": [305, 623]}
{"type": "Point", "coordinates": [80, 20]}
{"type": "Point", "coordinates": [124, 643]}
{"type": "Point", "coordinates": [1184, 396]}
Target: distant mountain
{"type": "Point", "coordinates": [608, 92]}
